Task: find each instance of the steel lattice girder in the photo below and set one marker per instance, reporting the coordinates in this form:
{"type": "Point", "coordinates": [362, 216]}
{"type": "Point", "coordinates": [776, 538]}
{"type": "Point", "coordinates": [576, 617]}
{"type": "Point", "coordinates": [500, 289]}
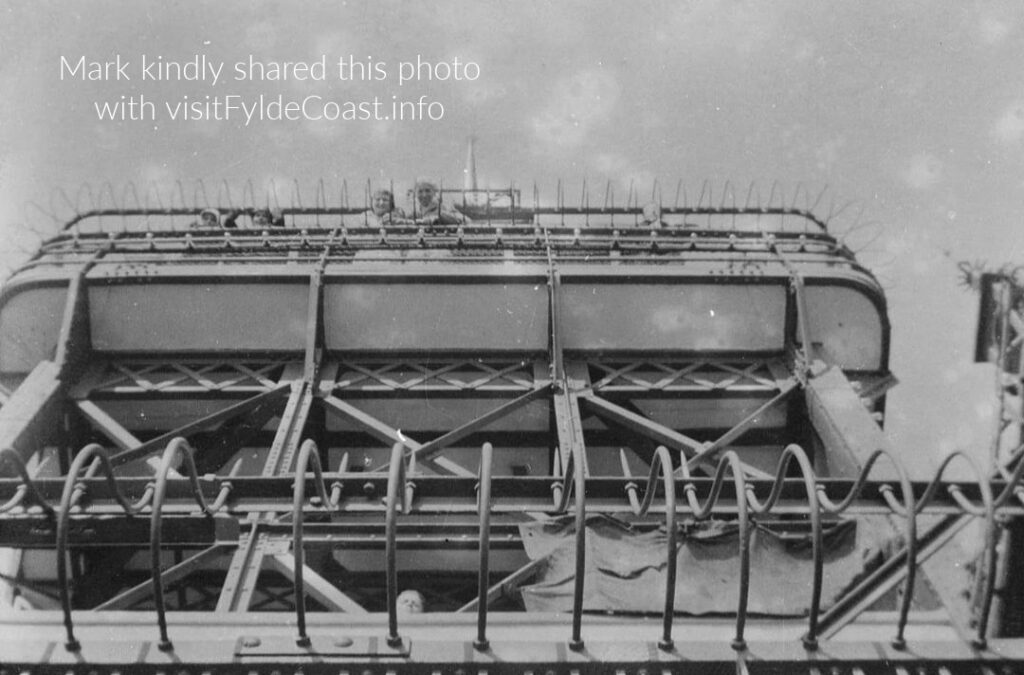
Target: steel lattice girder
{"type": "Point", "coordinates": [319, 381]}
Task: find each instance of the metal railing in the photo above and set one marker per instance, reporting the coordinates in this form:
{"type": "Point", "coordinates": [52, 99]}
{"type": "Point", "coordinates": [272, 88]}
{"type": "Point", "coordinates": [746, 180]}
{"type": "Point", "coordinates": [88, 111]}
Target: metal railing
{"type": "Point", "coordinates": [570, 489]}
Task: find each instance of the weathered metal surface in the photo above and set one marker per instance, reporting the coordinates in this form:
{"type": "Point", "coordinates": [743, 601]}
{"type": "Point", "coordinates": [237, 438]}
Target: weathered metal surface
{"type": "Point", "coordinates": [569, 343]}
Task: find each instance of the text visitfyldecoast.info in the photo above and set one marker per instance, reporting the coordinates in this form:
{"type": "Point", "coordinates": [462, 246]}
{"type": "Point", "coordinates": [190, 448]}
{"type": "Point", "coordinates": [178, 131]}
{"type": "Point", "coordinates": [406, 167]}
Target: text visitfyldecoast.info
{"type": "Point", "coordinates": [216, 76]}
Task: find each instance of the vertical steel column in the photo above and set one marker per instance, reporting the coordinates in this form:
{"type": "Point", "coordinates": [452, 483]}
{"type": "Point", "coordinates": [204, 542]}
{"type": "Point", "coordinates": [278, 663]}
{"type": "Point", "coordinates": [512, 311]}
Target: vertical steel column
{"type": "Point", "coordinates": [293, 421]}
{"type": "Point", "coordinates": [243, 572]}
{"type": "Point", "coordinates": [573, 452]}
{"type": "Point", "coordinates": [1008, 613]}
{"type": "Point", "coordinates": [568, 421]}
{"type": "Point", "coordinates": [247, 562]}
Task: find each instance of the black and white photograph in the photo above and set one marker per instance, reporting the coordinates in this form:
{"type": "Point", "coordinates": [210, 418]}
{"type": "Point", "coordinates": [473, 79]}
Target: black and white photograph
{"type": "Point", "coordinates": [393, 337]}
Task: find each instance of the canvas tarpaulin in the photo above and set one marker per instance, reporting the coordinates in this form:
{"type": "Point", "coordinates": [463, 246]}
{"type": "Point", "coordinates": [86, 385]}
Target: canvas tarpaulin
{"type": "Point", "coordinates": [625, 568]}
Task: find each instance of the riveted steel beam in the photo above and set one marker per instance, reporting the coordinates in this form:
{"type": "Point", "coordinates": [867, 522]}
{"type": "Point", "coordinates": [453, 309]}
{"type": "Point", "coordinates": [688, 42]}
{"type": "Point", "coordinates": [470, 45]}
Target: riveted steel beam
{"type": "Point", "coordinates": [319, 588]}
{"type": "Point", "coordinates": [179, 571]}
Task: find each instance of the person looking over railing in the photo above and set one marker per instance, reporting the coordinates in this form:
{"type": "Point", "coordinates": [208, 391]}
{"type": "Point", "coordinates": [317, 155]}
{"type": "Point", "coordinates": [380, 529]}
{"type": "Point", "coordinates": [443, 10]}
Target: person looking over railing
{"type": "Point", "coordinates": [410, 601]}
{"type": "Point", "coordinates": [382, 211]}
{"type": "Point", "coordinates": [261, 218]}
{"type": "Point", "coordinates": [652, 217]}
{"type": "Point", "coordinates": [207, 218]}
{"type": "Point", "coordinates": [428, 208]}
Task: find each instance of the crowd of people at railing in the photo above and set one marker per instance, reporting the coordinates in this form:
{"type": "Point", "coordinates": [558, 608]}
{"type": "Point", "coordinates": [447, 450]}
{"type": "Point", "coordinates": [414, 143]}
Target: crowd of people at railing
{"type": "Point", "coordinates": [427, 209]}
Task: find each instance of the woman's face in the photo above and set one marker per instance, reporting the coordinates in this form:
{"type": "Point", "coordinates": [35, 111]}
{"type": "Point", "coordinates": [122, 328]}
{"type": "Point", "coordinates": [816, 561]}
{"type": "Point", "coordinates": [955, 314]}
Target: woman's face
{"type": "Point", "coordinates": [381, 203]}
{"type": "Point", "coordinates": [425, 195]}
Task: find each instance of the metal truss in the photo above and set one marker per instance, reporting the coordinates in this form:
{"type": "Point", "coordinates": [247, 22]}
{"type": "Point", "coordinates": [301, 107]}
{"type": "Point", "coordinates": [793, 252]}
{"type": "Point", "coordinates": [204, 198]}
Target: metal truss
{"type": "Point", "coordinates": [234, 479]}
{"type": "Point", "coordinates": [694, 376]}
{"type": "Point", "coordinates": [403, 375]}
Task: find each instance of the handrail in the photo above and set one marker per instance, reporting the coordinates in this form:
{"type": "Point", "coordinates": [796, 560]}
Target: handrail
{"type": "Point", "coordinates": [790, 453]}
{"type": "Point", "coordinates": [72, 492]}
{"type": "Point", "coordinates": [93, 460]}
{"type": "Point", "coordinates": [27, 488]}
{"type": "Point", "coordinates": [484, 501]}
{"type": "Point", "coordinates": [580, 488]}
{"type": "Point", "coordinates": [661, 465]}
{"type": "Point", "coordinates": [522, 212]}
{"type": "Point", "coordinates": [731, 461]}
{"type": "Point", "coordinates": [177, 447]}
{"type": "Point", "coordinates": [986, 510]}
{"type": "Point", "coordinates": [308, 451]}
{"type": "Point", "coordinates": [908, 510]}
{"type": "Point", "coordinates": [396, 491]}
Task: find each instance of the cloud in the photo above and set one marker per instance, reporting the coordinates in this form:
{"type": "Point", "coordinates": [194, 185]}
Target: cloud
{"type": "Point", "coordinates": [159, 185]}
{"type": "Point", "coordinates": [261, 36]}
{"type": "Point", "coordinates": [1009, 128]}
{"type": "Point", "coordinates": [627, 176]}
{"type": "Point", "coordinates": [829, 152]}
{"type": "Point", "coordinates": [581, 102]}
{"type": "Point", "coordinates": [478, 94]}
{"type": "Point", "coordinates": [340, 42]}
{"type": "Point", "coordinates": [993, 30]}
{"type": "Point", "coordinates": [923, 171]}
{"type": "Point", "coordinates": [714, 25]}
{"type": "Point", "coordinates": [805, 50]}
{"type": "Point", "coordinates": [278, 190]}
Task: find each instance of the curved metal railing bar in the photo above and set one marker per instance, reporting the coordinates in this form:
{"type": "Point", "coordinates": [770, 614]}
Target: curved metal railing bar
{"type": "Point", "coordinates": [661, 465]}
{"type": "Point", "coordinates": [792, 453]}
{"type": "Point", "coordinates": [224, 188]}
{"type": "Point", "coordinates": [580, 485]}
{"type": "Point", "coordinates": [152, 189]}
{"type": "Point", "coordinates": [987, 510]}
{"type": "Point", "coordinates": [272, 200]}
{"type": "Point", "coordinates": [16, 498]}
{"type": "Point", "coordinates": [199, 187]}
{"type": "Point", "coordinates": [907, 510]}
{"type": "Point", "coordinates": [484, 507]}
{"type": "Point", "coordinates": [177, 447]}
{"type": "Point", "coordinates": [561, 492]}
{"type": "Point", "coordinates": [27, 488]}
{"type": "Point", "coordinates": [73, 491]}
{"type": "Point", "coordinates": [295, 197]}
{"type": "Point", "coordinates": [249, 195]}
{"type": "Point", "coordinates": [93, 459]}
{"type": "Point", "coordinates": [954, 491]}
{"type": "Point", "coordinates": [107, 193]}
{"type": "Point", "coordinates": [752, 189]}
{"type": "Point", "coordinates": [396, 491]}
{"type": "Point", "coordinates": [130, 191]}
{"type": "Point", "coordinates": [308, 451]}
{"type": "Point", "coordinates": [337, 486]}
{"type": "Point", "coordinates": [179, 192]}
{"type": "Point", "coordinates": [320, 199]}
{"type": "Point", "coordinates": [796, 194]}
{"type": "Point", "coordinates": [731, 461]}
{"type": "Point", "coordinates": [410, 484]}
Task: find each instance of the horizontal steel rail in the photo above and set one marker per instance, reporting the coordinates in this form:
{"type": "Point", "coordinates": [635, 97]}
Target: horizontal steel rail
{"type": "Point", "coordinates": [363, 492]}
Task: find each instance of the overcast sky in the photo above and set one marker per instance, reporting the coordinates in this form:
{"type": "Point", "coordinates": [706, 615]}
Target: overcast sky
{"type": "Point", "coordinates": [912, 112]}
